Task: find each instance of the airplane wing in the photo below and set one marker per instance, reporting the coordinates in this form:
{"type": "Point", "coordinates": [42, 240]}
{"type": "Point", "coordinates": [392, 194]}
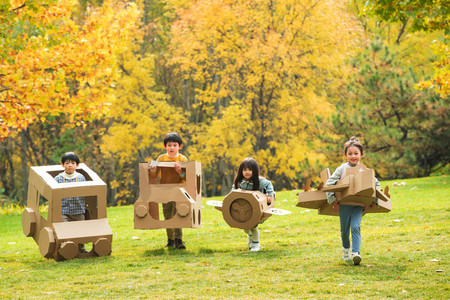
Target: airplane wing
{"type": "Point", "coordinates": [215, 203]}
{"type": "Point", "coordinates": [278, 211]}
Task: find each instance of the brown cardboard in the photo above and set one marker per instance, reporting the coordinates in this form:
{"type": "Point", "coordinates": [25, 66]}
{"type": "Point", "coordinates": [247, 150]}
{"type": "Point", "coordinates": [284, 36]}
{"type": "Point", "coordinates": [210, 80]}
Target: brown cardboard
{"type": "Point", "coordinates": [357, 187]}
{"type": "Point", "coordinates": [245, 209]}
{"type": "Point", "coordinates": [186, 195]}
{"type": "Point", "coordinates": [57, 239]}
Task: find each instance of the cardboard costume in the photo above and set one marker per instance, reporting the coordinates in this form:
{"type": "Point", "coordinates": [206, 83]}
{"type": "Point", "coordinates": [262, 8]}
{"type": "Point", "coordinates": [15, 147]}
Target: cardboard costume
{"type": "Point", "coordinates": [246, 209]}
{"type": "Point", "coordinates": [57, 239]}
{"type": "Point", "coordinates": [358, 186]}
{"type": "Point", "coordinates": [186, 194]}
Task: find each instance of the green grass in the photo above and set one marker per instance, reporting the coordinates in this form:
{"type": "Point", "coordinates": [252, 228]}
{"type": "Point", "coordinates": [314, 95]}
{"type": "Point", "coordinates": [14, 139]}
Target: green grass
{"type": "Point", "coordinates": [300, 258]}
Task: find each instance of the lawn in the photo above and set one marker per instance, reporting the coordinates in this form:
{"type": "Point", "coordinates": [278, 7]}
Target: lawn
{"type": "Point", "coordinates": [405, 254]}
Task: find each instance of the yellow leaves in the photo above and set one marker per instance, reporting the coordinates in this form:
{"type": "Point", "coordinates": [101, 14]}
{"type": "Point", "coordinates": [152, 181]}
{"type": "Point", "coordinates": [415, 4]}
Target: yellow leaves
{"type": "Point", "coordinates": [68, 66]}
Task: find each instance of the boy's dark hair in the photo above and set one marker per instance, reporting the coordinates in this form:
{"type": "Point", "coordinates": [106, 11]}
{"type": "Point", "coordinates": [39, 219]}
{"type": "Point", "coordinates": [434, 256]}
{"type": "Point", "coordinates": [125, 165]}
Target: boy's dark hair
{"type": "Point", "coordinates": [353, 141]}
{"type": "Point", "coordinates": [248, 163]}
{"type": "Point", "coordinates": [173, 137]}
{"type": "Point", "coordinates": [71, 157]}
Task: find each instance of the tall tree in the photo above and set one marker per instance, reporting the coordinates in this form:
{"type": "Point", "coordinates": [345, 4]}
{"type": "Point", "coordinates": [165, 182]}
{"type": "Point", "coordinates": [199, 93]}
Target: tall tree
{"type": "Point", "coordinates": [405, 131]}
{"type": "Point", "coordinates": [423, 15]}
{"type": "Point", "coordinates": [52, 65]}
{"type": "Point", "coordinates": [264, 70]}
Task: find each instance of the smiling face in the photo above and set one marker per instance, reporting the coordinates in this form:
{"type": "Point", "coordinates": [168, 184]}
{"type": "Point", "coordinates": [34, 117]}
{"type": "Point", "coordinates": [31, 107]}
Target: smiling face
{"type": "Point", "coordinates": [172, 149]}
{"type": "Point", "coordinates": [353, 155]}
{"type": "Point", "coordinates": [70, 166]}
{"type": "Point", "coordinates": [247, 173]}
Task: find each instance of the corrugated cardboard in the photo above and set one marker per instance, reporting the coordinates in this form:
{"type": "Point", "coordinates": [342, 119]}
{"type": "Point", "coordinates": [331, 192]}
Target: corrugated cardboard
{"type": "Point", "coordinates": [186, 195]}
{"type": "Point", "coordinates": [245, 209]}
{"type": "Point", "coordinates": [357, 187]}
{"type": "Point", "coordinates": [57, 239]}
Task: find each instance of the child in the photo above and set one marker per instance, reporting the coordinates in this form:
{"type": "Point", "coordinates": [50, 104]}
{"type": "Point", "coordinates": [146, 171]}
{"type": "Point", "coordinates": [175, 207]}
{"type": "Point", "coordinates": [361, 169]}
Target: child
{"type": "Point", "coordinates": [350, 214]}
{"type": "Point", "coordinates": [172, 143]}
{"type": "Point", "coordinates": [73, 208]}
{"type": "Point", "coordinates": [248, 178]}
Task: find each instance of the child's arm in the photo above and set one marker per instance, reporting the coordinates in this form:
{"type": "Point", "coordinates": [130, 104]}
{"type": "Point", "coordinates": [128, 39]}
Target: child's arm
{"type": "Point", "coordinates": [267, 186]}
{"type": "Point", "coordinates": [335, 177]}
{"type": "Point", "coordinates": [377, 187]}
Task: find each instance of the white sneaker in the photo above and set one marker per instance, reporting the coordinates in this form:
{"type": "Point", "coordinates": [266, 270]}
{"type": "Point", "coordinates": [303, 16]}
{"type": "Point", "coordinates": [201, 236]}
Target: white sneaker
{"type": "Point", "coordinates": [346, 254]}
{"type": "Point", "coordinates": [249, 242]}
{"type": "Point", "coordinates": [254, 247]}
{"type": "Point", "coordinates": [356, 258]}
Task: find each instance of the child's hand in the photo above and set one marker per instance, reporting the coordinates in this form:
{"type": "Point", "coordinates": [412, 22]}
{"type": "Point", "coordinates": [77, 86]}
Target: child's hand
{"type": "Point", "coordinates": [152, 167]}
{"type": "Point", "coordinates": [178, 168]}
{"type": "Point", "coordinates": [335, 205]}
{"type": "Point", "coordinates": [269, 200]}
{"type": "Point", "coordinates": [373, 205]}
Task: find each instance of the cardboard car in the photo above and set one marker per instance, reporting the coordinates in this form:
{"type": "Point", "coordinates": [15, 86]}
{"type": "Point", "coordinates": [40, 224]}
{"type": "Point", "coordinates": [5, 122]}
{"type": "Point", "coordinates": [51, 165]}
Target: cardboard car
{"type": "Point", "coordinates": [59, 240]}
{"type": "Point", "coordinates": [246, 209]}
{"type": "Point", "coordinates": [357, 187]}
{"type": "Point", "coordinates": [187, 196]}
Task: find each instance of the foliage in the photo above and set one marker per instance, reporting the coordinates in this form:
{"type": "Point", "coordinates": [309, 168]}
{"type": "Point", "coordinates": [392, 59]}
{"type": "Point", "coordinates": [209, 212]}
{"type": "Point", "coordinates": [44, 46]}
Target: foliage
{"type": "Point", "coordinates": [402, 252]}
{"type": "Point", "coordinates": [400, 126]}
{"type": "Point", "coordinates": [53, 65]}
{"type": "Point", "coordinates": [424, 14]}
{"type": "Point", "coordinates": [260, 73]}
{"type": "Point", "coordinates": [140, 116]}
{"type": "Point", "coordinates": [427, 15]}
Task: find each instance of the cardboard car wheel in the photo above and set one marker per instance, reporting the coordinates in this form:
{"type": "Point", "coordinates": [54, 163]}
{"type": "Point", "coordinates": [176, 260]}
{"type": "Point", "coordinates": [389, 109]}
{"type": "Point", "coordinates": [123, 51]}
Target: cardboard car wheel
{"type": "Point", "coordinates": [102, 247]}
{"type": "Point", "coordinates": [46, 242]}
{"type": "Point", "coordinates": [183, 210]}
{"type": "Point", "coordinates": [28, 222]}
{"type": "Point", "coordinates": [241, 213]}
{"type": "Point", "coordinates": [141, 210]}
{"type": "Point", "coordinates": [68, 250]}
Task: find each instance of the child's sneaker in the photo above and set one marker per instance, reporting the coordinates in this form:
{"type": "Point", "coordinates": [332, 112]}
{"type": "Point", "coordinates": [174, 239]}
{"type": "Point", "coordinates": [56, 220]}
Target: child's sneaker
{"type": "Point", "coordinates": [179, 244]}
{"type": "Point", "coordinates": [254, 247]}
{"type": "Point", "coordinates": [346, 254]}
{"type": "Point", "coordinates": [170, 243]}
{"type": "Point", "coordinates": [249, 242]}
{"type": "Point", "coordinates": [356, 258]}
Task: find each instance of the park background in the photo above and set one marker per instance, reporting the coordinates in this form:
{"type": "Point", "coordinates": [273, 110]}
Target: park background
{"type": "Point", "coordinates": [287, 82]}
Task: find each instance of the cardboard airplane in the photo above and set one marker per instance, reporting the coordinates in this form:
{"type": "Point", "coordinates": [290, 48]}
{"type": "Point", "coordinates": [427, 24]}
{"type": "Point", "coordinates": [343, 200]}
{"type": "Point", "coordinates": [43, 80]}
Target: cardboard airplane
{"type": "Point", "coordinates": [246, 209]}
{"type": "Point", "coordinates": [57, 239]}
{"type": "Point", "coordinates": [357, 187]}
{"type": "Point", "coordinates": [186, 195]}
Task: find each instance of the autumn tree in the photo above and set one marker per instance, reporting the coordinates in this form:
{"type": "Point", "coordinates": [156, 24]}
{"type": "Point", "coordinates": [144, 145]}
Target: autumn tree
{"type": "Point", "coordinates": [261, 75]}
{"type": "Point", "coordinates": [421, 15]}
{"type": "Point", "coordinates": [57, 73]}
{"type": "Point", "coordinates": [405, 131]}
{"type": "Point", "coordinates": [52, 65]}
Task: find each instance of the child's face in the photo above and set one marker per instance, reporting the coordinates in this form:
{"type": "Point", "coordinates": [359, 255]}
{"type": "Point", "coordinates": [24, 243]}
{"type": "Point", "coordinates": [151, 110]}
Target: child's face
{"type": "Point", "coordinates": [353, 155]}
{"type": "Point", "coordinates": [247, 173]}
{"type": "Point", "coordinates": [172, 148]}
{"type": "Point", "coordinates": [69, 166]}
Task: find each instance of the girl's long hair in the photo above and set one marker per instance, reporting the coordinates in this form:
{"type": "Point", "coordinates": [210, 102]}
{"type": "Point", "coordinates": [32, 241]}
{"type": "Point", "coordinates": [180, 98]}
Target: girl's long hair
{"type": "Point", "coordinates": [248, 163]}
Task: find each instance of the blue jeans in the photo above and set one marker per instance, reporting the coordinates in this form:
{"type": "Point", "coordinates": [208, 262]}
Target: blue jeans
{"type": "Point", "coordinates": [350, 217]}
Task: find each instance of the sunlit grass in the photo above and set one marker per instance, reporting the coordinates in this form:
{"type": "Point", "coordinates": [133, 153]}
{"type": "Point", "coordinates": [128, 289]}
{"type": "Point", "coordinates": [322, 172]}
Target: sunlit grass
{"type": "Point", "coordinates": [403, 255]}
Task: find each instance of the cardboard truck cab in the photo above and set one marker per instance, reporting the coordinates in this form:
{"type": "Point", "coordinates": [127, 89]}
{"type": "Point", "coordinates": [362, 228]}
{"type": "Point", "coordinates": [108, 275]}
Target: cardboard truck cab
{"type": "Point", "coordinates": [59, 240]}
{"type": "Point", "coordinates": [187, 196]}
